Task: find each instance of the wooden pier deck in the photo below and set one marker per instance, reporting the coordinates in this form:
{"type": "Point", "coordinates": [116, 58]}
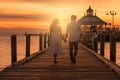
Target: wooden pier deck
{"type": "Point", "coordinates": [87, 67]}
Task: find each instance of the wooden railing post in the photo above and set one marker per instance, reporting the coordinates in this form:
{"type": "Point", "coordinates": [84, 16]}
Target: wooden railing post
{"type": "Point", "coordinates": [27, 45]}
{"type": "Point", "coordinates": [113, 47]}
{"type": "Point", "coordinates": [13, 49]}
{"type": "Point", "coordinates": [102, 44]}
{"type": "Point", "coordinates": [95, 43]}
{"type": "Point", "coordinates": [44, 41]}
{"type": "Point", "coordinates": [87, 40]}
{"type": "Point", "coordinates": [48, 40]}
{"type": "Point", "coordinates": [40, 42]}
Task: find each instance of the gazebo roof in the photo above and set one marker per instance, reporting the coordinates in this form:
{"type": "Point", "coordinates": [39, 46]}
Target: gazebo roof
{"type": "Point", "coordinates": [91, 20]}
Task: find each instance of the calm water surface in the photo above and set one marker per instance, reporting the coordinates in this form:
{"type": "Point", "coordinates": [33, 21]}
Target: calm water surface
{"type": "Point", "coordinates": [5, 49]}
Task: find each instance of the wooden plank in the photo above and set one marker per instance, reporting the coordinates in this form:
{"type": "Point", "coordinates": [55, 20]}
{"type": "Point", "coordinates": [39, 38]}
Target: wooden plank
{"type": "Point", "coordinates": [111, 64]}
{"type": "Point", "coordinates": [71, 75]}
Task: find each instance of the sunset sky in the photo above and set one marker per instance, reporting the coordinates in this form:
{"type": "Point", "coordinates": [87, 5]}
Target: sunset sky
{"type": "Point", "coordinates": [40, 13]}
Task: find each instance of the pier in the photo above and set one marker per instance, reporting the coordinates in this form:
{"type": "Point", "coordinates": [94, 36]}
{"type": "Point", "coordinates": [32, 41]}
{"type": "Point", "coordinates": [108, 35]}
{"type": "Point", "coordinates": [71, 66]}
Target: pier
{"type": "Point", "coordinates": [40, 66]}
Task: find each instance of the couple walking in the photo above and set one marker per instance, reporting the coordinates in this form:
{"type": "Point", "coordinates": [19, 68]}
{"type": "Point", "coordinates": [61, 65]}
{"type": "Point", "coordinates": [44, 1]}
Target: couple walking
{"type": "Point", "coordinates": [73, 31]}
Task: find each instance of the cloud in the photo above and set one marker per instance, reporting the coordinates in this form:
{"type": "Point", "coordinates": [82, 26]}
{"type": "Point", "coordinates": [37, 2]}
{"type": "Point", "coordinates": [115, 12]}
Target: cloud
{"type": "Point", "coordinates": [36, 0]}
{"type": "Point", "coordinates": [50, 2]}
{"type": "Point", "coordinates": [18, 16]}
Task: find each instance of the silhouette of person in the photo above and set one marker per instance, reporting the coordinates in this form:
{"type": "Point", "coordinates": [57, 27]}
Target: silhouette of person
{"type": "Point", "coordinates": [73, 31]}
{"type": "Point", "coordinates": [55, 40]}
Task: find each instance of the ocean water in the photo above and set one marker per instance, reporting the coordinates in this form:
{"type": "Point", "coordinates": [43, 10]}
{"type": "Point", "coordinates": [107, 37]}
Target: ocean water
{"type": "Point", "coordinates": [107, 51]}
{"type": "Point", "coordinates": [5, 49]}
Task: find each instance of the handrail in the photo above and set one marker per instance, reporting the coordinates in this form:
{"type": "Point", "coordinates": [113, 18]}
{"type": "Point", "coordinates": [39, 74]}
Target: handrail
{"type": "Point", "coordinates": [29, 58]}
{"type": "Point", "coordinates": [94, 43]}
{"type": "Point", "coordinates": [42, 45]}
{"type": "Point", "coordinates": [111, 64]}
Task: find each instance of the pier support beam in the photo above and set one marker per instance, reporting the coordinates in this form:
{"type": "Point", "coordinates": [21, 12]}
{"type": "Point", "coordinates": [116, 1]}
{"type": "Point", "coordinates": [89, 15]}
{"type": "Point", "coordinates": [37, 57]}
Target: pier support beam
{"type": "Point", "coordinates": [40, 42]}
{"type": "Point", "coordinates": [13, 49]}
{"type": "Point", "coordinates": [95, 43]}
{"type": "Point", "coordinates": [102, 44]}
{"type": "Point", "coordinates": [27, 45]}
{"type": "Point", "coordinates": [44, 41]}
{"type": "Point", "coordinates": [113, 47]}
{"type": "Point", "coordinates": [48, 40]}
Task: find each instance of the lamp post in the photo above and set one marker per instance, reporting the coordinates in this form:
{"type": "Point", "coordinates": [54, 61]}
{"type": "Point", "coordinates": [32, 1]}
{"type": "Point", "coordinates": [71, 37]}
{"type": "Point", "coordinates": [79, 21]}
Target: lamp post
{"type": "Point", "coordinates": [112, 13]}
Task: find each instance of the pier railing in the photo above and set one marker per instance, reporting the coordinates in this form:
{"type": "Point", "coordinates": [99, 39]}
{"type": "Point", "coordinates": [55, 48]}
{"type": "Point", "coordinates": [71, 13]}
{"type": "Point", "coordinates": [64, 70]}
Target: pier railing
{"type": "Point", "coordinates": [43, 45]}
{"type": "Point", "coordinates": [90, 42]}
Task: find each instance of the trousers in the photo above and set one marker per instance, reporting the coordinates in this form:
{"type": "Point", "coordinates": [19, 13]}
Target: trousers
{"type": "Point", "coordinates": [73, 49]}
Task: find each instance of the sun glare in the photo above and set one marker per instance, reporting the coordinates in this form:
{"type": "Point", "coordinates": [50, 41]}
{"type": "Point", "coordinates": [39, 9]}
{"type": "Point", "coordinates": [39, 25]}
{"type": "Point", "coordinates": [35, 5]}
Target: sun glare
{"type": "Point", "coordinates": [63, 14]}
{"type": "Point", "coordinates": [46, 12]}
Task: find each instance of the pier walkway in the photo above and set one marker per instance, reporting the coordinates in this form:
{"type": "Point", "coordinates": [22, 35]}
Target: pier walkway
{"type": "Point", "coordinates": [41, 67]}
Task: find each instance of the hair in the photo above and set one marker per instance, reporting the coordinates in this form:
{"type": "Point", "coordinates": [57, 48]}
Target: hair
{"type": "Point", "coordinates": [54, 24]}
{"type": "Point", "coordinates": [73, 17]}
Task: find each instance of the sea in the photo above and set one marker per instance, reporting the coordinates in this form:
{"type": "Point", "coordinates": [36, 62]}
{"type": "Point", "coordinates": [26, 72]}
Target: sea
{"type": "Point", "coordinates": [5, 49]}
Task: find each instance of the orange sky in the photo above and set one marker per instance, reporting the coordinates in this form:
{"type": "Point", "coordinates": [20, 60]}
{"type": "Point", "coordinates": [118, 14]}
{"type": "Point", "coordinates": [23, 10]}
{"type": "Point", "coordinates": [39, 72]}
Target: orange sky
{"type": "Point", "coordinates": [40, 13]}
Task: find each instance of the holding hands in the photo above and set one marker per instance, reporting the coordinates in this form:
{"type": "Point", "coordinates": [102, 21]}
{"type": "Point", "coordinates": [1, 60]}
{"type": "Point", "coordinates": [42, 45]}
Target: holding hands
{"type": "Point", "coordinates": [65, 40]}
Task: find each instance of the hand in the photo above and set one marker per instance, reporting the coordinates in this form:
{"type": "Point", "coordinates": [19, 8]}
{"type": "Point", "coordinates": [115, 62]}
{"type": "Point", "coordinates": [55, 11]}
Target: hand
{"type": "Point", "coordinates": [62, 37]}
{"type": "Point", "coordinates": [65, 40]}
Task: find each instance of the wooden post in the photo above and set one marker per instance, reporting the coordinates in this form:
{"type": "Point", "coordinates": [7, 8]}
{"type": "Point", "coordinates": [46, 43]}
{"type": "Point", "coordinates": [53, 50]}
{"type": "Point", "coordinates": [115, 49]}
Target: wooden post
{"type": "Point", "coordinates": [87, 41]}
{"type": "Point", "coordinates": [112, 47]}
{"type": "Point", "coordinates": [48, 40]}
{"type": "Point", "coordinates": [90, 41]}
{"type": "Point", "coordinates": [44, 41]}
{"type": "Point", "coordinates": [102, 44]}
{"type": "Point", "coordinates": [40, 42]}
{"type": "Point", "coordinates": [13, 49]}
{"type": "Point", "coordinates": [27, 45]}
{"type": "Point", "coordinates": [95, 43]}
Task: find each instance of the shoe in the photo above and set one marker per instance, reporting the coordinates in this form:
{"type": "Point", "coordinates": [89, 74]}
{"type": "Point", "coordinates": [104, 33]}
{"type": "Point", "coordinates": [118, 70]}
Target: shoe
{"type": "Point", "coordinates": [55, 62]}
{"type": "Point", "coordinates": [74, 60]}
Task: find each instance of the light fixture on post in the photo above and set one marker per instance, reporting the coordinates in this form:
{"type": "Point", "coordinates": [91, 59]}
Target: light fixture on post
{"type": "Point", "coordinates": [112, 13]}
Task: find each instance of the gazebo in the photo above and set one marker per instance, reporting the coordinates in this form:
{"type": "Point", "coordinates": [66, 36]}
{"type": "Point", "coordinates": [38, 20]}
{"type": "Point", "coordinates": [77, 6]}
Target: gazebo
{"type": "Point", "coordinates": [91, 19]}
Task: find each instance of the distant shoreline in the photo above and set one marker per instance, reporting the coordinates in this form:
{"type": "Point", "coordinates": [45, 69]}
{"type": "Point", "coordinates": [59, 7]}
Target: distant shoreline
{"type": "Point", "coordinates": [20, 31]}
